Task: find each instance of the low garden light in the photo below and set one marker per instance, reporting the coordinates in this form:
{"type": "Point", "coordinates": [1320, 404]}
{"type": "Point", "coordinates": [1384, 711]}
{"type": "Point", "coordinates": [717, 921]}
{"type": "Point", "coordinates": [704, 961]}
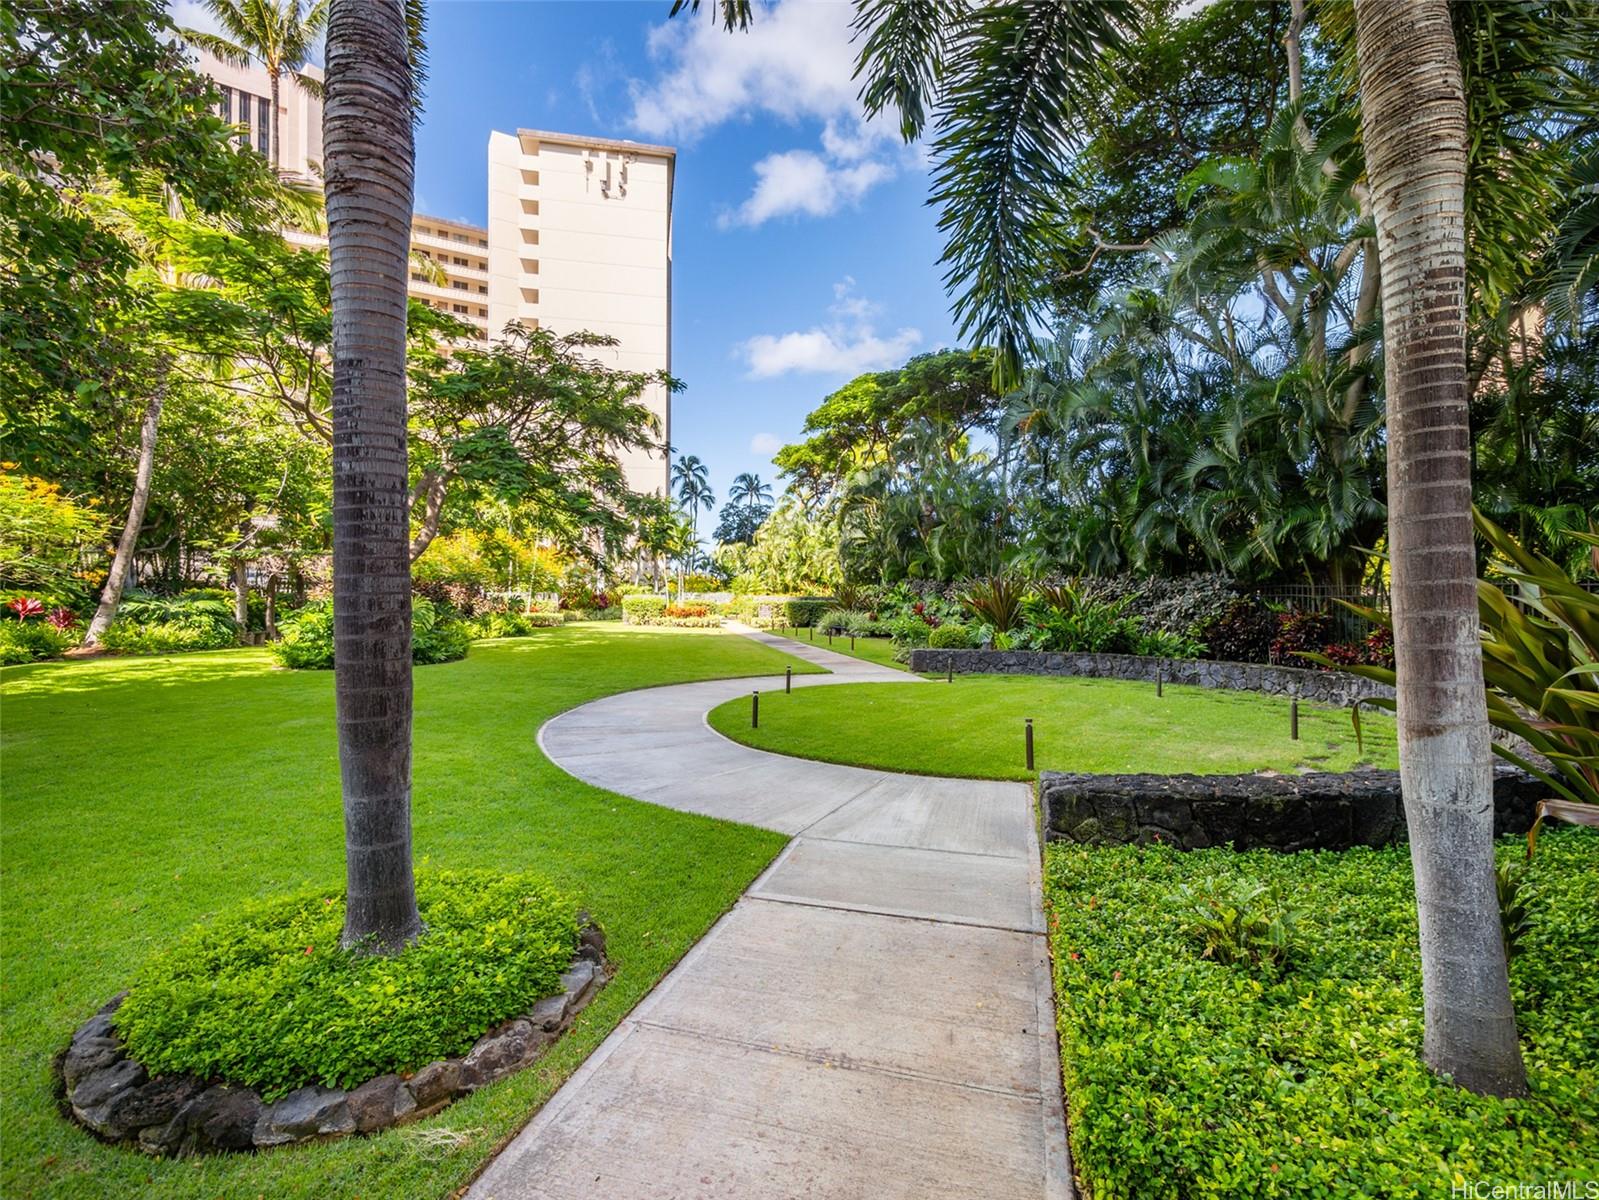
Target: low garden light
{"type": "Point", "coordinates": [1293, 719]}
{"type": "Point", "coordinates": [755, 710]}
{"type": "Point", "coordinates": [1029, 743]}
{"type": "Point", "coordinates": [788, 680]}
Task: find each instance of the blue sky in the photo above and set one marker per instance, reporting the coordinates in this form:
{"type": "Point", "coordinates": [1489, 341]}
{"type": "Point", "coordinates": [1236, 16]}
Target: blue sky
{"type": "Point", "coordinates": [804, 252]}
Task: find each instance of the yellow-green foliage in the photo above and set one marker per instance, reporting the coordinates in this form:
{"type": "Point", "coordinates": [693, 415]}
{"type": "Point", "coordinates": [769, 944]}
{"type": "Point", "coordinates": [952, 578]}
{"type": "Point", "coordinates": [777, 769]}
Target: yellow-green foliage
{"type": "Point", "coordinates": [1187, 1077]}
{"type": "Point", "coordinates": [267, 998]}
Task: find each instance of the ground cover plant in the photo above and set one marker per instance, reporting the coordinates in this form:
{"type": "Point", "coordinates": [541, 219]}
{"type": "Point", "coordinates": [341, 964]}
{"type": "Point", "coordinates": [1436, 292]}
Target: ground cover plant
{"type": "Point", "coordinates": [225, 791]}
{"type": "Point", "coordinates": [1190, 1076]}
{"type": "Point", "coordinates": [973, 727]}
{"type": "Point", "coordinates": [267, 997]}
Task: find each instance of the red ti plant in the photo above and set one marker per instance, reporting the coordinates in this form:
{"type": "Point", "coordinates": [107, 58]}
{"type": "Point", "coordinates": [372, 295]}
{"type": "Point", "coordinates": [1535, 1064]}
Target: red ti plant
{"type": "Point", "coordinates": [25, 607]}
{"type": "Point", "coordinates": [62, 619]}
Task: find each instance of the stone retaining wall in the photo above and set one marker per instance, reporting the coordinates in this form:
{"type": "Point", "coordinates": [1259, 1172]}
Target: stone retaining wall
{"type": "Point", "coordinates": [115, 1098]}
{"type": "Point", "coordinates": [1335, 688]}
{"type": "Point", "coordinates": [1318, 811]}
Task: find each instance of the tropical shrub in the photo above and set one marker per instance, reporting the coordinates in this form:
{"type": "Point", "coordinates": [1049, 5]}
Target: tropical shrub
{"type": "Point", "coordinates": [1301, 632]}
{"type": "Point", "coordinates": [1240, 924]}
{"type": "Point", "coordinates": [510, 624]}
{"type": "Point", "coordinates": [949, 637]}
{"type": "Point", "coordinates": [1242, 633]}
{"type": "Point", "coordinates": [639, 610]}
{"type": "Point", "coordinates": [437, 636]}
{"type": "Point", "coordinates": [996, 601]}
{"type": "Point", "coordinates": [31, 640]}
{"type": "Point", "coordinates": [1540, 664]}
{"type": "Point", "coordinates": [307, 644]}
{"type": "Point", "coordinates": [687, 610]}
{"type": "Point", "coordinates": [1190, 1078]}
{"type": "Point", "coordinates": [801, 612]}
{"type": "Point", "coordinates": [267, 998]}
{"type": "Point", "coordinates": [1182, 604]}
{"type": "Point", "coordinates": [201, 619]}
{"type": "Point", "coordinates": [911, 633]}
{"type": "Point", "coordinates": [843, 623]}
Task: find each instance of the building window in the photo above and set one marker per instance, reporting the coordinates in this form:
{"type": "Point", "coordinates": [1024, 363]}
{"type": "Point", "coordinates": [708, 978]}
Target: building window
{"type": "Point", "coordinates": [263, 126]}
{"type": "Point", "coordinates": [460, 287]}
{"type": "Point", "coordinates": [460, 308]}
{"type": "Point", "coordinates": [227, 106]}
{"type": "Point", "coordinates": [483, 289]}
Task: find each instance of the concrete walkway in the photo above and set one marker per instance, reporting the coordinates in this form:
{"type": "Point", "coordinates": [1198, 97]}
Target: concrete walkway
{"type": "Point", "coordinates": [872, 1019]}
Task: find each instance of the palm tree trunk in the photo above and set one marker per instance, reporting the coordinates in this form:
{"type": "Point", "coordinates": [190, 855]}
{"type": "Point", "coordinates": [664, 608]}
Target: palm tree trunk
{"type": "Point", "coordinates": [368, 153]}
{"type": "Point", "coordinates": [277, 146]}
{"type": "Point", "coordinates": [1414, 114]}
{"type": "Point", "coordinates": [111, 594]}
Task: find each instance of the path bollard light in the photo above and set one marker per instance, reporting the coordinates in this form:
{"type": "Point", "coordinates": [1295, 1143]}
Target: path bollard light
{"type": "Point", "coordinates": [829, 637]}
{"type": "Point", "coordinates": [788, 680]}
{"type": "Point", "coordinates": [852, 641]}
{"type": "Point", "coordinates": [950, 663]}
{"type": "Point", "coordinates": [813, 633]}
{"type": "Point", "coordinates": [1029, 743]}
{"type": "Point", "coordinates": [755, 710]}
{"type": "Point", "coordinates": [1160, 681]}
{"type": "Point", "coordinates": [1293, 719]}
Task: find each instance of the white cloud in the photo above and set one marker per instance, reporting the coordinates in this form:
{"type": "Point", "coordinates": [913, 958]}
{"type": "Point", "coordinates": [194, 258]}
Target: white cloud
{"type": "Point", "coordinates": [795, 63]}
{"type": "Point", "coordinates": [847, 344]}
{"type": "Point", "coordinates": [800, 182]}
{"type": "Point", "coordinates": [765, 444]}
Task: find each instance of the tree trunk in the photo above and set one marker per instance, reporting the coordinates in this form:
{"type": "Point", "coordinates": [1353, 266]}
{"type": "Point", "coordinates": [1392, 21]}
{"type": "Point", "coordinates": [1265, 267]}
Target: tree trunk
{"type": "Point", "coordinates": [270, 623]}
{"type": "Point", "coordinates": [431, 489]}
{"type": "Point", "coordinates": [368, 154]}
{"type": "Point", "coordinates": [241, 594]}
{"type": "Point", "coordinates": [111, 594]}
{"type": "Point", "coordinates": [277, 147]}
{"type": "Point", "coordinates": [1414, 115]}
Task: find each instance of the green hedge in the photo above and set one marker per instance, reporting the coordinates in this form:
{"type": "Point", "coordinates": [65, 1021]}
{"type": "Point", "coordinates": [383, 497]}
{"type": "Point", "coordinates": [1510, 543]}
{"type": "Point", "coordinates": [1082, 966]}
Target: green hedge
{"type": "Point", "coordinates": [1187, 1078]}
{"type": "Point", "coordinates": [652, 610]}
{"type": "Point", "coordinates": [436, 636]}
{"type": "Point", "coordinates": [266, 997]}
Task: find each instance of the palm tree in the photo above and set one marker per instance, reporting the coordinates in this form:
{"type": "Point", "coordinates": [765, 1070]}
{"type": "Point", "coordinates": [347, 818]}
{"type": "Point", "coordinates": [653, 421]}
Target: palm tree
{"type": "Point", "coordinates": [749, 491]}
{"type": "Point", "coordinates": [367, 137]}
{"type": "Point", "coordinates": [280, 33]}
{"type": "Point", "coordinates": [1413, 107]}
{"type": "Point", "coordinates": [692, 478]}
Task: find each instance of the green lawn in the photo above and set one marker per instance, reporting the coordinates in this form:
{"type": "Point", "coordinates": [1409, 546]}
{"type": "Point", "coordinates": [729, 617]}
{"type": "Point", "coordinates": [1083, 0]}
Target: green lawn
{"type": "Point", "coordinates": [144, 795]}
{"type": "Point", "coordinates": [873, 649]}
{"type": "Point", "coordinates": [974, 727]}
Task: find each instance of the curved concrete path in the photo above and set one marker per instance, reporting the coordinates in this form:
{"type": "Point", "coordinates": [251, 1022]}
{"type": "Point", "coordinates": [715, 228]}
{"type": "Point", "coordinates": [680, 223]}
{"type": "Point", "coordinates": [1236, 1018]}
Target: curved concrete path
{"type": "Point", "coordinates": [872, 1019]}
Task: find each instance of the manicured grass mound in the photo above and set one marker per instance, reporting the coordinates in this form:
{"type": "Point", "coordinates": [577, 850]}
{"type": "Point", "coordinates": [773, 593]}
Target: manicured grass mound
{"type": "Point", "coordinates": [974, 728]}
{"type": "Point", "coordinates": [1188, 1078]}
{"type": "Point", "coordinates": [266, 998]}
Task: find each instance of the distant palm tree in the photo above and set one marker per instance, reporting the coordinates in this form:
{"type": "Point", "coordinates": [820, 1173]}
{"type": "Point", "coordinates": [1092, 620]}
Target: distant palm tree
{"type": "Point", "coordinates": [692, 478]}
{"type": "Point", "coordinates": [749, 491]}
{"type": "Point", "coordinates": [280, 33]}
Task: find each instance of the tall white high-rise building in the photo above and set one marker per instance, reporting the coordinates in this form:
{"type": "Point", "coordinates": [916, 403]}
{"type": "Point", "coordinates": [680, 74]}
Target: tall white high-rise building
{"type": "Point", "coordinates": [580, 238]}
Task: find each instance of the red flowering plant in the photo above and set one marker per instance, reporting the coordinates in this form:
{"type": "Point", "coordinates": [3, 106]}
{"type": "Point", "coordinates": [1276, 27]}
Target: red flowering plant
{"type": "Point", "coordinates": [25, 607]}
{"type": "Point", "coordinates": [62, 619]}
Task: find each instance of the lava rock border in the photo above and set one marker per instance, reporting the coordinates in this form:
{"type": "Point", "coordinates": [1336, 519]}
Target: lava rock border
{"type": "Point", "coordinates": [112, 1096]}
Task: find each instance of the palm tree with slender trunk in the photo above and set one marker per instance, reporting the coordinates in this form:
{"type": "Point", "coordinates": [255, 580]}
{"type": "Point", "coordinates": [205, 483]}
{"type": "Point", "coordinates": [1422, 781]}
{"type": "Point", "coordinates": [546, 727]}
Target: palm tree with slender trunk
{"type": "Point", "coordinates": [692, 478]}
{"type": "Point", "coordinates": [280, 33]}
{"type": "Point", "coordinates": [369, 151]}
{"type": "Point", "coordinates": [749, 491]}
{"type": "Point", "coordinates": [1413, 108]}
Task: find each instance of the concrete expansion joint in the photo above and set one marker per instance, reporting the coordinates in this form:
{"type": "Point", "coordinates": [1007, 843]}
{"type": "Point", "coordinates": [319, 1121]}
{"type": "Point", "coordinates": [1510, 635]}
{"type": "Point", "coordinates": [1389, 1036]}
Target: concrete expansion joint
{"type": "Point", "coordinates": [841, 1061]}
